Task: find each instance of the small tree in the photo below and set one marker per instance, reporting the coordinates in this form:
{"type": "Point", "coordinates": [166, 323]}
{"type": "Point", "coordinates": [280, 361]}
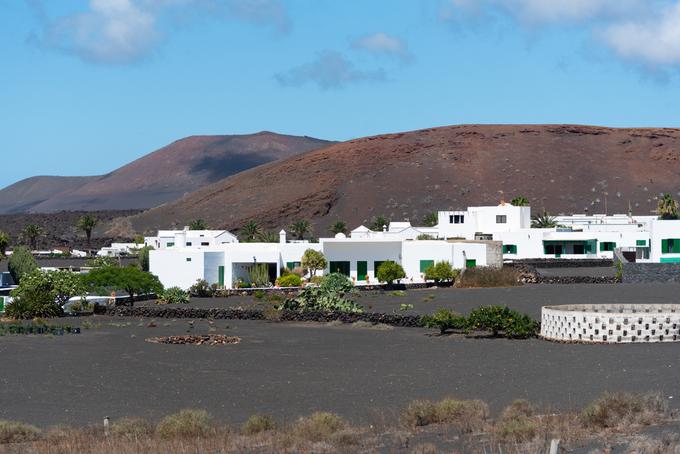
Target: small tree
{"type": "Point", "coordinates": [520, 201]}
{"type": "Point", "coordinates": [4, 243]}
{"type": "Point", "coordinates": [313, 261]}
{"type": "Point", "coordinates": [250, 231]}
{"type": "Point", "coordinates": [543, 221]}
{"type": "Point", "coordinates": [300, 228]}
{"type": "Point", "coordinates": [378, 223]}
{"type": "Point", "coordinates": [389, 272]}
{"type": "Point", "coordinates": [338, 227]}
{"type": "Point", "coordinates": [42, 294]}
{"type": "Point", "coordinates": [87, 223]}
{"type": "Point", "coordinates": [441, 272]}
{"type": "Point", "coordinates": [667, 207]}
{"type": "Point", "coordinates": [20, 263]}
{"type": "Point", "coordinates": [431, 219]}
{"type": "Point", "coordinates": [30, 234]}
{"type": "Point", "coordinates": [198, 224]}
{"type": "Point", "coordinates": [128, 278]}
{"type": "Point", "coordinates": [144, 258]}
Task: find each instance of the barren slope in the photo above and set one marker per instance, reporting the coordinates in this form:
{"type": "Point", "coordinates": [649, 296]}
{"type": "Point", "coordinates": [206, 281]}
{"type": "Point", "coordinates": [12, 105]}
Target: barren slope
{"type": "Point", "coordinates": [561, 167]}
{"type": "Point", "coordinates": [25, 194]}
{"type": "Point", "coordinates": [175, 170]}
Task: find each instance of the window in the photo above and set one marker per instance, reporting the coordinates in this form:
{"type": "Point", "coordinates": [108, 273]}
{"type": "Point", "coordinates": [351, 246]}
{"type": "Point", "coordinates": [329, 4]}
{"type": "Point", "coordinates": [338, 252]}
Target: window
{"type": "Point", "coordinates": [188, 259]}
{"type": "Point", "coordinates": [509, 249]}
{"type": "Point", "coordinates": [641, 242]}
{"type": "Point", "coordinates": [170, 245]}
{"type": "Point", "coordinates": [579, 249]}
{"type": "Point", "coordinates": [607, 246]}
{"type": "Point", "coordinates": [340, 267]}
{"type": "Point", "coordinates": [362, 270]}
{"type": "Point", "coordinates": [470, 263]}
{"type": "Point", "coordinates": [376, 265]}
{"type": "Point", "coordinates": [501, 219]}
{"type": "Point", "coordinates": [205, 243]}
{"type": "Point", "coordinates": [188, 243]}
{"type": "Point", "coordinates": [670, 246]}
{"type": "Point", "coordinates": [425, 264]}
{"type": "Point", "coordinates": [292, 265]}
{"type": "Point", "coordinates": [456, 219]}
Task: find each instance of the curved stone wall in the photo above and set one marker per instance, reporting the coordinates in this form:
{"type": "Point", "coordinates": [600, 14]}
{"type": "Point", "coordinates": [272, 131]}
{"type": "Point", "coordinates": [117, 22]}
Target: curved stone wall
{"type": "Point", "coordinates": [611, 323]}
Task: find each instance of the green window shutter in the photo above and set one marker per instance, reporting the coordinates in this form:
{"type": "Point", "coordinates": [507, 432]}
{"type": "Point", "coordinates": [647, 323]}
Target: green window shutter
{"type": "Point", "coordinates": [676, 246]}
{"type": "Point", "coordinates": [362, 270]}
{"type": "Point", "coordinates": [664, 246]}
{"type": "Point", "coordinates": [602, 247]}
{"type": "Point", "coordinates": [425, 264]}
{"type": "Point", "coordinates": [641, 242]}
{"type": "Point", "coordinates": [470, 263]}
{"type": "Point", "coordinates": [513, 249]}
{"type": "Point", "coordinates": [290, 265]}
{"type": "Point", "coordinates": [220, 275]}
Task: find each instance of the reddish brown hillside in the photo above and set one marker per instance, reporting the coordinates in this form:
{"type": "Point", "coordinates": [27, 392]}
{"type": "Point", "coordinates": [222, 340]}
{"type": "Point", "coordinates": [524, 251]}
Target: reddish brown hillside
{"type": "Point", "coordinates": [175, 170]}
{"type": "Point", "coordinates": [561, 167]}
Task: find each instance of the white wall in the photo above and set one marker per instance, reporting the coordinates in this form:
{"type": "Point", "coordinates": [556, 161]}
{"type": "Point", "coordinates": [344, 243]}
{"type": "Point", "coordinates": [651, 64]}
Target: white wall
{"type": "Point", "coordinates": [661, 230]}
{"type": "Point", "coordinates": [351, 250]}
{"type": "Point", "coordinates": [173, 269]}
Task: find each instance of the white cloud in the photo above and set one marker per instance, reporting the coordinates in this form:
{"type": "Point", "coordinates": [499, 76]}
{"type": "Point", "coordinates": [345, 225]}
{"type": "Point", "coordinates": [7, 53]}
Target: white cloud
{"type": "Point", "coordinates": [127, 31]}
{"type": "Point", "coordinates": [652, 41]}
{"type": "Point", "coordinates": [382, 43]}
{"type": "Point", "coordinates": [331, 70]}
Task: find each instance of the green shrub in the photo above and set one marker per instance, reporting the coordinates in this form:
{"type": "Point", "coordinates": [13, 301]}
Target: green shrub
{"type": "Point", "coordinates": [444, 320]}
{"type": "Point", "coordinates": [389, 272]}
{"type": "Point", "coordinates": [259, 294]}
{"type": "Point", "coordinates": [42, 294]}
{"type": "Point", "coordinates": [398, 293]}
{"type": "Point", "coordinates": [289, 280]}
{"type": "Point", "coordinates": [128, 278]}
{"type": "Point", "coordinates": [185, 424]}
{"type": "Point", "coordinates": [202, 289]}
{"type": "Point", "coordinates": [21, 262]}
{"type": "Point", "coordinates": [132, 427]}
{"type": "Point", "coordinates": [441, 272]}
{"type": "Point", "coordinates": [482, 276]}
{"type": "Point", "coordinates": [17, 432]}
{"type": "Point", "coordinates": [143, 258]}
{"type": "Point", "coordinates": [257, 424]}
{"type": "Point", "coordinates": [173, 295]}
{"type": "Point", "coordinates": [405, 307]}
{"type": "Point", "coordinates": [319, 426]}
{"type": "Point", "coordinates": [332, 294]}
{"type": "Point", "coordinates": [623, 409]}
{"type": "Point", "coordinates": [499, 319]}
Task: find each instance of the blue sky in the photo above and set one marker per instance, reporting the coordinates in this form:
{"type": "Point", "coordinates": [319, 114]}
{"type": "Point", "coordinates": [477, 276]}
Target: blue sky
{"type": "Point", "coordinates": [89, 85]}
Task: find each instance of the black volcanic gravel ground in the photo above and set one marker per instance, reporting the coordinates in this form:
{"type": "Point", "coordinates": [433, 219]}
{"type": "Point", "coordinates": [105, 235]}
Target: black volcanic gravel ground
{"type": "Point", "coordinates": [287, 369]}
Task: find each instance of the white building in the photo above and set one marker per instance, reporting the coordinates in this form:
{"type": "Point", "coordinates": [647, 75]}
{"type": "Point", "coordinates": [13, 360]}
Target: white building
{"type": "Point", "coordinates": [190, 238]}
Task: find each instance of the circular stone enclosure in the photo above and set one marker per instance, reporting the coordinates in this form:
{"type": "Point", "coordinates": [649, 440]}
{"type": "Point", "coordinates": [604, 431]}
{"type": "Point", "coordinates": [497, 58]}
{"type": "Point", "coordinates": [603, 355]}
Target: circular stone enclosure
{"type": "Point", "coordinates": [611, 323]}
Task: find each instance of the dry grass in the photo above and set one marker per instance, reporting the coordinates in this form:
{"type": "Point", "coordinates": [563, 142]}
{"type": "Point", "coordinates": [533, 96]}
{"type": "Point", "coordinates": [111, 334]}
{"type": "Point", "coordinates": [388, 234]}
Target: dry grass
{"type": "Point", "coordinates": [185, 424]}
{"type": "Point", "coordinates": [620, 410]}
{"type": "Point", "coordinates": [257, 424]}
{"type": "Point", "coordinates": [319, 426]}
{"type": "Point", "coordinates": [16, 432]}
{"type": "Point", "coordinates": [132, 427]}
{"type": "Point", "coordinates": [483, 276]}
{"type": "Point", "coordinates": [465, 415]}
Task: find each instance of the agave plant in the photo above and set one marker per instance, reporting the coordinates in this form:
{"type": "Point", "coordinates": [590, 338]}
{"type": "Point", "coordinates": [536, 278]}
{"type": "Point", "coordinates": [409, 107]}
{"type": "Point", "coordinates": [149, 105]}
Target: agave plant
{"type": "Point", "coordinates": [543, 221]}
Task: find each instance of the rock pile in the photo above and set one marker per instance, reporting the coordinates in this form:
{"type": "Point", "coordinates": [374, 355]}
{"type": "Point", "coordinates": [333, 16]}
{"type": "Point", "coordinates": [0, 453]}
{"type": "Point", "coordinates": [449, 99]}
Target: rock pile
{"type": "Point", "coordinates": [208, 339]}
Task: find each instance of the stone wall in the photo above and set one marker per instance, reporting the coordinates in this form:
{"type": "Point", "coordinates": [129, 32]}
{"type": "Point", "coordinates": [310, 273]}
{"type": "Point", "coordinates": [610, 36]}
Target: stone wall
{"type": "Point", "coordinates": [611, 323]}
{"type": "Point", "coordinates": [634, 273]}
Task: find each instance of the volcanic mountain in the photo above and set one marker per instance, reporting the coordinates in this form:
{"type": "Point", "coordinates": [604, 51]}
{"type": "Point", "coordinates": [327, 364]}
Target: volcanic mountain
{"type": "Point", "coordinates": [159, 177]}
{"type": "Point", "coordinates": [562, 168]}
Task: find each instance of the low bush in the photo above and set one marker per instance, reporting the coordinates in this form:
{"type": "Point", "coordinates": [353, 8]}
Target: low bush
{"type": "Point", "coordinates": [289, 280]}
{"type": "Point", "coordinates": [332, 294]}
{"type": "Point", "coordinates": [202, 289]}
{"type": "Point", "coordinates": [483, 276]}
{"type": "Point", "coordinates": [132, 427]}
{"type": "Point", "coordinates": [17, 432]}
{"type": "Point", "coordinates": [501, 319]}
{"type": "Point", "coordinates": [319, 426]}
{"type": "Point", "coordinates": [444, 320]}
{"type": "Point", "coordinates": [257, 424]}
{"type": "Point", "coordinates": [441, 272]}
{"type": "Point", "coordinates": [185, 424]}
{"type": "Point", "coordinates": [614, 410]}
{"type": "Point", "coordinates": [465, 415]}
{"type": "Point", "coordinates": [173, 295]}
{"type": "Point", "coordinates": [515, 424]}
{"type": "Point", "coordinates": [389, 272]}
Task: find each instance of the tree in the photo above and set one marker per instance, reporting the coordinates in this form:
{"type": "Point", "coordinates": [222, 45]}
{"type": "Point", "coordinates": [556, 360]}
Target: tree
{"type": "Point", "coordinates": [300, 228]}
{"type": "Point", "coordinates": [378, 223]}
{"type": "Point", "coordinates": [338, 227]}
{"type": "Point", "coordinates": [667, 207]}
{"type": "Point", "coordinates": [268, 237]}
{"type": "Point", "coordinates": [144, 258]}
{"type": "Point", "coordinates": [389, 272]}
{"type": "Point", "coordinates": [43, 294]}
{"type": "Point", "coordinates": [431, 219]}
{"type": "Point", "coordinates": [543, 221]}
{"type": "Point", "coordinates": [441, 272]}
{"type": "Point", "coordinates": [250, 231]}
{"type": "Point", "coordinates": [198, 224]}
{"type": "Point", "coordinates": [520, 201]}
{"type": "Point", "coordinates": [128, 278]}
{"type": "Point", "coordinates": [313, 260]}
{"type": "Point", "coordinates": [4, 243]}
{"type": "Point", "coordinates": [31, 233]}
{"type": "Point", "coordinates": [21, 262]}
{"type": "Point", "coordinates": [87, 223]}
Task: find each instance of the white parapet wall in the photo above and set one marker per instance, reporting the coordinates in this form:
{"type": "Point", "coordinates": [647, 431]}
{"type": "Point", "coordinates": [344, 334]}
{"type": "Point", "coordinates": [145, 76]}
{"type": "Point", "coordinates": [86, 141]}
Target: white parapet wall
{"type": "Point", "coordinates": [611, 323]}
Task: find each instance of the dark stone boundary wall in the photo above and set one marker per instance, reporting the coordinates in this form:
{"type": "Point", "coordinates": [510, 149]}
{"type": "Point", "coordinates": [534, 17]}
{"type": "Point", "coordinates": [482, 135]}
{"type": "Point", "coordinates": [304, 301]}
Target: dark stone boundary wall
{"type": "Point", "coordinates": [253, 314]}
{"type": "Point", "coordinates": [564, 263]}
{"type": "Point", "coordinates": [528, 274]}
{"type": "Point", "coordinates": [635, 273]}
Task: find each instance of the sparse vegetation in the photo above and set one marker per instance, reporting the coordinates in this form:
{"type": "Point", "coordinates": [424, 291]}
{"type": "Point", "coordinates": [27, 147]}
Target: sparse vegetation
{"type": "Point", "coordinates": [424, 236]}
{"type": "Point", "coordinates": [17, 432]}
{"type": "Point", "coordinates": [173, 295]}
{"type": "Point", "coordinates": [132, 427]}
{"type": "Point", "coordinates": [619, 410]}
{"type": "Point", "coordinates": [185, 424]}
{"type": "Point", "coordinates": [257, 424]}
{"type": "Point", "coordinates": [465, 415]}
{"type": "Point", "coordinates": [483, 276]}
{"type": "Point", "coordinates": [319, 426]}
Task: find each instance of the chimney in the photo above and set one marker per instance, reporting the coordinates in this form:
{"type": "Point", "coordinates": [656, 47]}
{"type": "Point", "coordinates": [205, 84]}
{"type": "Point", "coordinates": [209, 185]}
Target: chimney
{"type": "Point", "coordinates": [282, 236]}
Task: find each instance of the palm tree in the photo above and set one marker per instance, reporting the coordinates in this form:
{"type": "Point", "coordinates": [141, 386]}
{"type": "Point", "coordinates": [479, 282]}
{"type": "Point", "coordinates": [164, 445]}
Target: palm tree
{"type": "Point", "coordinates": [250, 231]}
{"type": "Point", "coordinates": [338, 227]}
{"type": "Point", "coordinates": [431, 219]}
{"type": "Point", "coordinates": [198, 224]}
{"type": "Point", "coordinates": [667, 208]}
{"type": "Point", "coordinates": [543, 221]}
{"type": "Point", "coordinates": [268, 237]}
{"type": "Point", "coordinates": [31, 233]}
{"type": "Point", "coordinates": [87, 223]}
{"type": "Point", "coordinates": [300, 228]}
{"type": "Point", "coordinates": [520, 201]}
{"type": "Point", "coordinates": [378, 223]}
{"type": "Point", "coordinates": [4, 243]}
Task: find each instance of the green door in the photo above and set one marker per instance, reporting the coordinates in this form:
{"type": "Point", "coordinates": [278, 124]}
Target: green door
{"type": "Point", "coordinates": [340, 267]}
{"type": "Point", "coordinates": [362, 271]}
{"type": "Point", "coordinates": [470, 263]}
{"type": "Point", "coordinates": [2, 304]}
{"type": "Point", "coordinates": [220, 276]}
